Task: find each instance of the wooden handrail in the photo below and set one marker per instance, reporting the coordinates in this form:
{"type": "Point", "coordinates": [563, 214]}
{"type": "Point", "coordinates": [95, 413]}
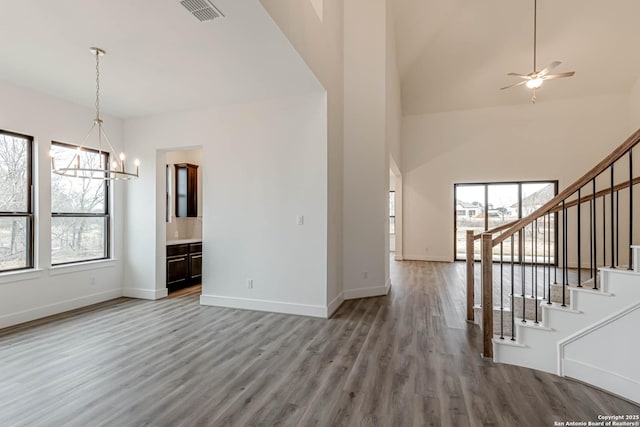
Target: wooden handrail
{"type": "Point", "coordinates": [578, 184]}
{"type": "Point", "coordinates": [495, 230]}
{"type": "Point", "coordinates": [601, 193]}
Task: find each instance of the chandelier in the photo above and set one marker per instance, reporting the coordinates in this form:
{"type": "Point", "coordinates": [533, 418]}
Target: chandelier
{"type": "Point", "coordinates": [80, 167]}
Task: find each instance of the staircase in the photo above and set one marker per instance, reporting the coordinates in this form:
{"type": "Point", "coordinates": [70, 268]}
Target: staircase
{"type": "Point", "coordinates": [546, 315]}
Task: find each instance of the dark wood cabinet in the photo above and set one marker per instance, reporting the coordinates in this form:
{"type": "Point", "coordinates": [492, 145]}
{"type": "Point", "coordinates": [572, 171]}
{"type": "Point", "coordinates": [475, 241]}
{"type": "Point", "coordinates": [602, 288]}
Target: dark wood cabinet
{"type": "Point", "coordinates": [186, 190]}
{"type": "Point", "coordinates": [184, 265]}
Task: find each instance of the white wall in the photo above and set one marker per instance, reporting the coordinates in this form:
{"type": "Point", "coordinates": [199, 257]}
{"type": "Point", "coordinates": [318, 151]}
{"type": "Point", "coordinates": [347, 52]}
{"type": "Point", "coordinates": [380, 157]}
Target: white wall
{"type": "Point", "coordinates": [613, 367]}
{"type": "Point", "coordinates": [394, 127]}
{"type": "Point", "coordinates": [263, 165]}
{"type": "Point", "coordinates": [31, 295]}
{"type": "Point", "coordinates": [393, 92]}
{"type": "Point", "coordinates": [366, 167]}
{"type": "Point", "coordinates": [554, 140]}
{"type": "Point", "coordinates": [320, 43]}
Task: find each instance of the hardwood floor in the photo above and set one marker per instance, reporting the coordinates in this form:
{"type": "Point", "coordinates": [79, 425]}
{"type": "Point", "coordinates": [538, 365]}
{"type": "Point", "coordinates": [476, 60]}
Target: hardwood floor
{"type": "Point", "coordinates": [408, 359]}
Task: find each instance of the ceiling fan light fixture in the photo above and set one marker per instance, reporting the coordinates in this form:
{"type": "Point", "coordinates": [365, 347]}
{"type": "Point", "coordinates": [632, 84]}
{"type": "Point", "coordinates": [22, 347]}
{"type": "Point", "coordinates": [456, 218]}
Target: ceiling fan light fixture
{"type": "Point", "coordinates": [535, 83]}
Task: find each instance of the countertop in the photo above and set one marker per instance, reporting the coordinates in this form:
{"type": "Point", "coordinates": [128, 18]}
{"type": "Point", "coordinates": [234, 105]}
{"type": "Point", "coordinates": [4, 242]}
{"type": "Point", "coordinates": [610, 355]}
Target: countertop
{"type": "Point", "coordinates": [182, 241]}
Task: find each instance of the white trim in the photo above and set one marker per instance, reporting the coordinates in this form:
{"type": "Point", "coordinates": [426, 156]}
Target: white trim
{"type": "Point", "coordinates": [20, 275]}
{"type": "Point", "coordinates": [602, 378]}
{"type": "Point", "coordinates": [367, 292]}
{"type": "Point", "coordinates": [409, 257]}
{"type": "Point", "coordinates": [82, 266]}
{"type": "Point", "coordinates": [618, 270]}
{"type": "Point", "coordinates": [59, 307]}
{"type": "Point", "coordinates": [335, 304]}
{"type": "Point", "coordinates": [264, 305]}
{"type": "Point", "coordinates": [151, 294]}
{"type": "Point", "coordinates": [588, 330]}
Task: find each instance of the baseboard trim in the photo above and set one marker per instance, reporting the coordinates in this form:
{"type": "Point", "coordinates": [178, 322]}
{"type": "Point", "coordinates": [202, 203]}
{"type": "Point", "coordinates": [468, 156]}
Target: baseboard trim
{"type": "Point", "coordinates": [409, 257]}
{"type": "Point", "coordinates": [150, 294]}
{"type": "Point", "coordinates": [58, 307]}
{"type": "Point", "coordinates": [265, 305]}
{"type": "Point", "coordinates": [367, 292]}
{"type": "Point", "coordinates": [335, 304]}
{"type": "Point", "coordinates": [601, 378]}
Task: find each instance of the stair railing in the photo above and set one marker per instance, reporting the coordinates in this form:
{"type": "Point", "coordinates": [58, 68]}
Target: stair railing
{"type": "Point", "coordinates": [471, 238]}
{"type": "Point", "coordinates": [534, 271]}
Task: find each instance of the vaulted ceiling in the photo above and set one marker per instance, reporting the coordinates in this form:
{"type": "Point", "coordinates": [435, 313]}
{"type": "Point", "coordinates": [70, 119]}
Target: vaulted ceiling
{"type": "Point", "coordinates": [452, 54]}
{"type": "Point", "coordinates": [455, 54]}
{"type": "Point", "coordinates": [160, 58]}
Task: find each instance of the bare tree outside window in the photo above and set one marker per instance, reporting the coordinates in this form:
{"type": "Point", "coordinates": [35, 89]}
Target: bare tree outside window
{"type": "Point", "coordinates": [80, 210]}
{"type": "Point", "coordinates": [16, 216]}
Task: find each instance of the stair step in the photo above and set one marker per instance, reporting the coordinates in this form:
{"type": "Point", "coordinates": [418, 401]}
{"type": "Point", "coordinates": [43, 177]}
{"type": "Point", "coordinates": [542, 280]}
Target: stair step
{"type": "Point", "coordinates": [506, 314]}
{"type": "Point", "coordinates": [530, 306]}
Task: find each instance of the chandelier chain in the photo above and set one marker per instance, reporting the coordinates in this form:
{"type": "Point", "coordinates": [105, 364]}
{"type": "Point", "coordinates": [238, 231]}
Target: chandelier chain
{"type": "Point", "coordinates": [78, 165]}
{"type": "Point", "coordinates": [97, 85]}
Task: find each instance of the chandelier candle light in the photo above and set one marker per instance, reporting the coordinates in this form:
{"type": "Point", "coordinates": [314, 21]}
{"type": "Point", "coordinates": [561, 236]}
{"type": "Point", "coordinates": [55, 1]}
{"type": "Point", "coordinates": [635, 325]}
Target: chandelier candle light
{"type": "Point", "coordinates": [79, 169]}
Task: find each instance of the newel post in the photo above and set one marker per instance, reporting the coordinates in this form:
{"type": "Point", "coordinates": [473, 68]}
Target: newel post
{"type": "Point", "coordinates": [487, 295]}
{"type": "Point", "coordinates": [470, 275]}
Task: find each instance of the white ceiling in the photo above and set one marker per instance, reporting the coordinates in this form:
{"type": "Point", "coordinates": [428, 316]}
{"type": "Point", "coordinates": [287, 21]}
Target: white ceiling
{"type": "Point", "coordinates": [159, 57]}
{"type": "Point", "coordinates": [452, 54]}
{"type": "Point", "coordinates": [455, 54]}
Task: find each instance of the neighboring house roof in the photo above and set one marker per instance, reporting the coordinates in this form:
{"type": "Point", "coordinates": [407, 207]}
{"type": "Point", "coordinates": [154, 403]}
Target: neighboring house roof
{"type": "Point", "coordinates": [466, 205]}
{"type": "Point", "coordinates": [539, 197]}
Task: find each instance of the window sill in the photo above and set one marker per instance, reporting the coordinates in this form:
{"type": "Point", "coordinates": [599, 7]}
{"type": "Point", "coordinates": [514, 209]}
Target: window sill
{"type": "Point", "coordinates": [82, 266]}
{"type": "Point", "coordinates": [20, 275]}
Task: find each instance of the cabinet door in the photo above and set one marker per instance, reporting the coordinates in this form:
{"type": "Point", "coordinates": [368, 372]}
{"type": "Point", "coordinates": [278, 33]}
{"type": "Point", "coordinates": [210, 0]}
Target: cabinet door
{"type": "Point", "coordinates": [195, 265]}
{"type": "Point", "coordinates": [177, 271]}
{"type": "Point", "coordinates": [186, 190]}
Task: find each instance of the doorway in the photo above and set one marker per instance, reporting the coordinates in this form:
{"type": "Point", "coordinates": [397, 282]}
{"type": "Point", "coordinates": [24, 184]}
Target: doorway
{"type": "Point", "coordinates": [183, 221]}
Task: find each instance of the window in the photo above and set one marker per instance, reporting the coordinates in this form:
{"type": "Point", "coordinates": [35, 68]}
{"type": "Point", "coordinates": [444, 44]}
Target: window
{"type": "Point", "coordinates": [480, 207]}
{"type": "Point", "coordinates": [16, 205]}
{"type": "Point", "coordinates": [392, 212]}
{"type": "Point", "coordinates": [79, 210]}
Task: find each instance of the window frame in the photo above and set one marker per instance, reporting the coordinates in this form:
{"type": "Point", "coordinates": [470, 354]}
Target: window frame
{"type": "Point", "coordinates": [486, 185]}
{"type": "Point", "coordinates": [28, 214]}
{"type": "Point", "coordinates": [106, 215]}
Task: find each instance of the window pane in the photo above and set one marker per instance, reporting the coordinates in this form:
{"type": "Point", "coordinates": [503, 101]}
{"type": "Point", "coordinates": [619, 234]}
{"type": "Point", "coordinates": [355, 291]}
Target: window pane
{"type": "Point", "coordinates": [534, 195]}
{"type": "Point", "coordinates": [77, 239]}
{"type": "Point", "coordinates": [76, 195]}
{"type": "Point", "coordinates": [13, 243]}
{"type": "Point", "coordinates": [502, 208]}
{"type": "Point", "coordinates": [392, 203]}
{"type": "Point", "coordinates": [13, 173]}
{"type": "Point", "coordinates": [469, 216]}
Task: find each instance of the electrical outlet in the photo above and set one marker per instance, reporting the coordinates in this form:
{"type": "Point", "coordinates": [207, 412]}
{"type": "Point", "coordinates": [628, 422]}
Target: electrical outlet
{"type": "Point", "coordinates": [365, 275]}
{"type": "Point", "coordinates": [249, 283]}
{"type": "Point", "coordinates": [92, 281]}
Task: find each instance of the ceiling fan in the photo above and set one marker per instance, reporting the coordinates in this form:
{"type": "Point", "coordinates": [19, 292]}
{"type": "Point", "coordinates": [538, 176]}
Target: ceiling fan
{"type": "Point", "coordinates": [535, 79]}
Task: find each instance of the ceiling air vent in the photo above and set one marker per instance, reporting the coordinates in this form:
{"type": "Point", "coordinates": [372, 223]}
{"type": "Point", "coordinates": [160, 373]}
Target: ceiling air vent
{"type": "Point", "coordinates": [204, 10]}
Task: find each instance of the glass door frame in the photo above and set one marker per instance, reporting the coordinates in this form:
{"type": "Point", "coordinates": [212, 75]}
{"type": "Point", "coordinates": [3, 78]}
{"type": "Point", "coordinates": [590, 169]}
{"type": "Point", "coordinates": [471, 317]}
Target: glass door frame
{"type": "Point", "coordinates": [486, 217]}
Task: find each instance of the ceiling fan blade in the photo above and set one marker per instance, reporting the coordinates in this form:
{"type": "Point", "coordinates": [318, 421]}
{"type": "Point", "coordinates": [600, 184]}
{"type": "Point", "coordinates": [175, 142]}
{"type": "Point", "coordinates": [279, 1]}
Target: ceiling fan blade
{"type": "Point", "coordinates": [548, 68]}
{"type": "Point", "coordinates": [559, 75]}
{"type": "Point", "coordinates": [514, 85]}
{"type": "Point", "coordinates": [521, 76]}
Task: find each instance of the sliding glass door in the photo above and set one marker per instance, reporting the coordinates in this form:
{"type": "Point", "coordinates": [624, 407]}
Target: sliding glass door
{"type": "Point", "coordinates": [485, 206]}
